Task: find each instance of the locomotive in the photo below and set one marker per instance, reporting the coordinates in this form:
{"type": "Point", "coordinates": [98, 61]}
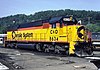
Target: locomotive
{"type": "Point", "coordinates": [60, 34]}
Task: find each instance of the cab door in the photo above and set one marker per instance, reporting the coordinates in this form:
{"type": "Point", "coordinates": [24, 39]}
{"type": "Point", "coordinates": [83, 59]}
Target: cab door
{"type": "Point", "coordinates": [63, 32]}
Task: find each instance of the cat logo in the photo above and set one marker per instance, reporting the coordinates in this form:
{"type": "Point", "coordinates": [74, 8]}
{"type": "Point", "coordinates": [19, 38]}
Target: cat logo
{"type": "Point", "coordinates": [80, 35]}
{"type": "Point", "coordinates": [13, 34]}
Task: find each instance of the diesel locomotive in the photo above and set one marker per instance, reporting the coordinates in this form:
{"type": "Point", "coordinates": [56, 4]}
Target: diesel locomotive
{"type": "Point", "coordinates": [60, 34]}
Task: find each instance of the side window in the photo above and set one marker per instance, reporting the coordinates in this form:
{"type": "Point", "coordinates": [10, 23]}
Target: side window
{"type": "Point", "coordinates": [54, 25]}
{"type": "Point", "coordinates": [61, 25]}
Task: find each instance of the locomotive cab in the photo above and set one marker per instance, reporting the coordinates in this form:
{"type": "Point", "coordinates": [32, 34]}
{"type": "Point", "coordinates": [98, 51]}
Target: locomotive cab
{"type": "Point", "coordinates": [74, 35]}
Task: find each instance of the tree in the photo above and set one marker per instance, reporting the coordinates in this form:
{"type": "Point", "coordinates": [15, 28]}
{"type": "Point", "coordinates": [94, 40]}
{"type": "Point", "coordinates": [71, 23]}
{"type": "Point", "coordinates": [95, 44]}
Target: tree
{"type": "Point", "coordinates": [93, 27]}
{"type": "Point", "coordinates": [15, 20]}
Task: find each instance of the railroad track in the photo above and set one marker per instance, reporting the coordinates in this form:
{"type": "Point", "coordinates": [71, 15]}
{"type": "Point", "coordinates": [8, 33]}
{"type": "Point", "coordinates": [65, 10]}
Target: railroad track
{"type": "Point", "coordinates": [48, 56]}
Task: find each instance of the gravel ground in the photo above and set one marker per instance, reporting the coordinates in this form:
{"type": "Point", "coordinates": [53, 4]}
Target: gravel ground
{"type": "Point", "coordinates": [17, 59]}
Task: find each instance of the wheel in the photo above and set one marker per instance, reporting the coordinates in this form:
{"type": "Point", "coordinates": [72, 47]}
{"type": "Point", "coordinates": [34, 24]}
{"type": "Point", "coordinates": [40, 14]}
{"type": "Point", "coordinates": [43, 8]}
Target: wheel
{"type": "Point", "coordinates": [8, 45]}
{"type": "Point", "coordinates": [84, 51]}
{"type": "Point", "coordinates": [90, 51]}
{"type": "Point", "coordinates": [46, 48]}
{"type": "Point", "coordinates": [12, 45]}
{"type": "Point", "coordinates": [67, 52]}
{"type": "Point", "coordinates": [79, 53]}
{"type": "Point", "coordinates": [38, 47]}
{"type": "Point", "coordinates": [15, 46]}
{"type": "Point", "coordinates": [57, 50]}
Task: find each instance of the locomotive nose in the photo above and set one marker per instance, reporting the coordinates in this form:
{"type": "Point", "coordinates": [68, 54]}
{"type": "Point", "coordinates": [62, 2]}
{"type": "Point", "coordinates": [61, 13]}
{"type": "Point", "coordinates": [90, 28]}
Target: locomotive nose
{"type": "Point", "coordinates": [79, 33]}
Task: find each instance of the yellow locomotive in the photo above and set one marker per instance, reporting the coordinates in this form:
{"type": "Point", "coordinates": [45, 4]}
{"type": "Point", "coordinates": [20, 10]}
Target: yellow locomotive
{"type": "Point", "coordinates": [58, 34]}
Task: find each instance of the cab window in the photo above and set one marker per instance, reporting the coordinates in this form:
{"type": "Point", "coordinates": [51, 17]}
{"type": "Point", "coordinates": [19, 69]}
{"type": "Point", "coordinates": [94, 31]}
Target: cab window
{"type": "Point", "coordinates": [54, 25]}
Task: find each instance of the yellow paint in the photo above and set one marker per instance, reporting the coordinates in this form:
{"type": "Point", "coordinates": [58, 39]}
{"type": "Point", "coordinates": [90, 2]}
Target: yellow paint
{"type": "Point", "coordinates": [67, 34]}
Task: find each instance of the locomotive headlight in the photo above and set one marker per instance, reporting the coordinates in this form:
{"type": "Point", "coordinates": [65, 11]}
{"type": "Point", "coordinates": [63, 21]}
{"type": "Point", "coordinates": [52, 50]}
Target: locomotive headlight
{"type": "Point", "coordinates": [66, 19]}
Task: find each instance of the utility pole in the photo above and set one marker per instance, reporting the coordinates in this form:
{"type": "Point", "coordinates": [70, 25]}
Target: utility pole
{"type": "Point", "coordinates": [89, 20]}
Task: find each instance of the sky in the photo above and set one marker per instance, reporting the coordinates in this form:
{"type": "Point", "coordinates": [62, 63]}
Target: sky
{"type": "Point", "coordinates": [13, 7]}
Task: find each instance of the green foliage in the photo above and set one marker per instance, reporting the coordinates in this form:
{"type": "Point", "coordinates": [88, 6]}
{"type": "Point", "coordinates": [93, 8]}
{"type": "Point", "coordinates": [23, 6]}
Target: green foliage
{"type": "Point", "coordinates": [92, 17]}
{"type": "Point", "coordinates": [93, 27]}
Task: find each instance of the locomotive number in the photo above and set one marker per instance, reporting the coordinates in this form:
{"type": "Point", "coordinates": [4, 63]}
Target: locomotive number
{"type": "Point", "coordinates": [53, 38]}
{"type": "Point", "coordinates": [53, 31]}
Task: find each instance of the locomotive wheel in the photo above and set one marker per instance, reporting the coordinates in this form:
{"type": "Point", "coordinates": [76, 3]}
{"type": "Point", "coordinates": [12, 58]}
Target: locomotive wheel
{"type": "Point", "coordinates": [82, 52]}
{"type": "Point", "coordinates": [56, 50]}
{"type": "Point", "coordinates": [10, 45]}
{"type": "Point", "coordinates": [15, 46]}
{"type": "Point", "coordinates": [7, 46]}
{"type": "Point", "coordinates": [46, 48]}
{"type": "Point", "coordinates": [90, 51]}
{"type": "Point", "coordinates": [67, 52]}
{"type": "Point", "coordinates": [38, 47]}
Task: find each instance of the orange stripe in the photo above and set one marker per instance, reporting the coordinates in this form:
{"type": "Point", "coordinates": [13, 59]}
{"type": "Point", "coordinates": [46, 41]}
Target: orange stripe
{"type": "Point", "coordinates": [30, 28]}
